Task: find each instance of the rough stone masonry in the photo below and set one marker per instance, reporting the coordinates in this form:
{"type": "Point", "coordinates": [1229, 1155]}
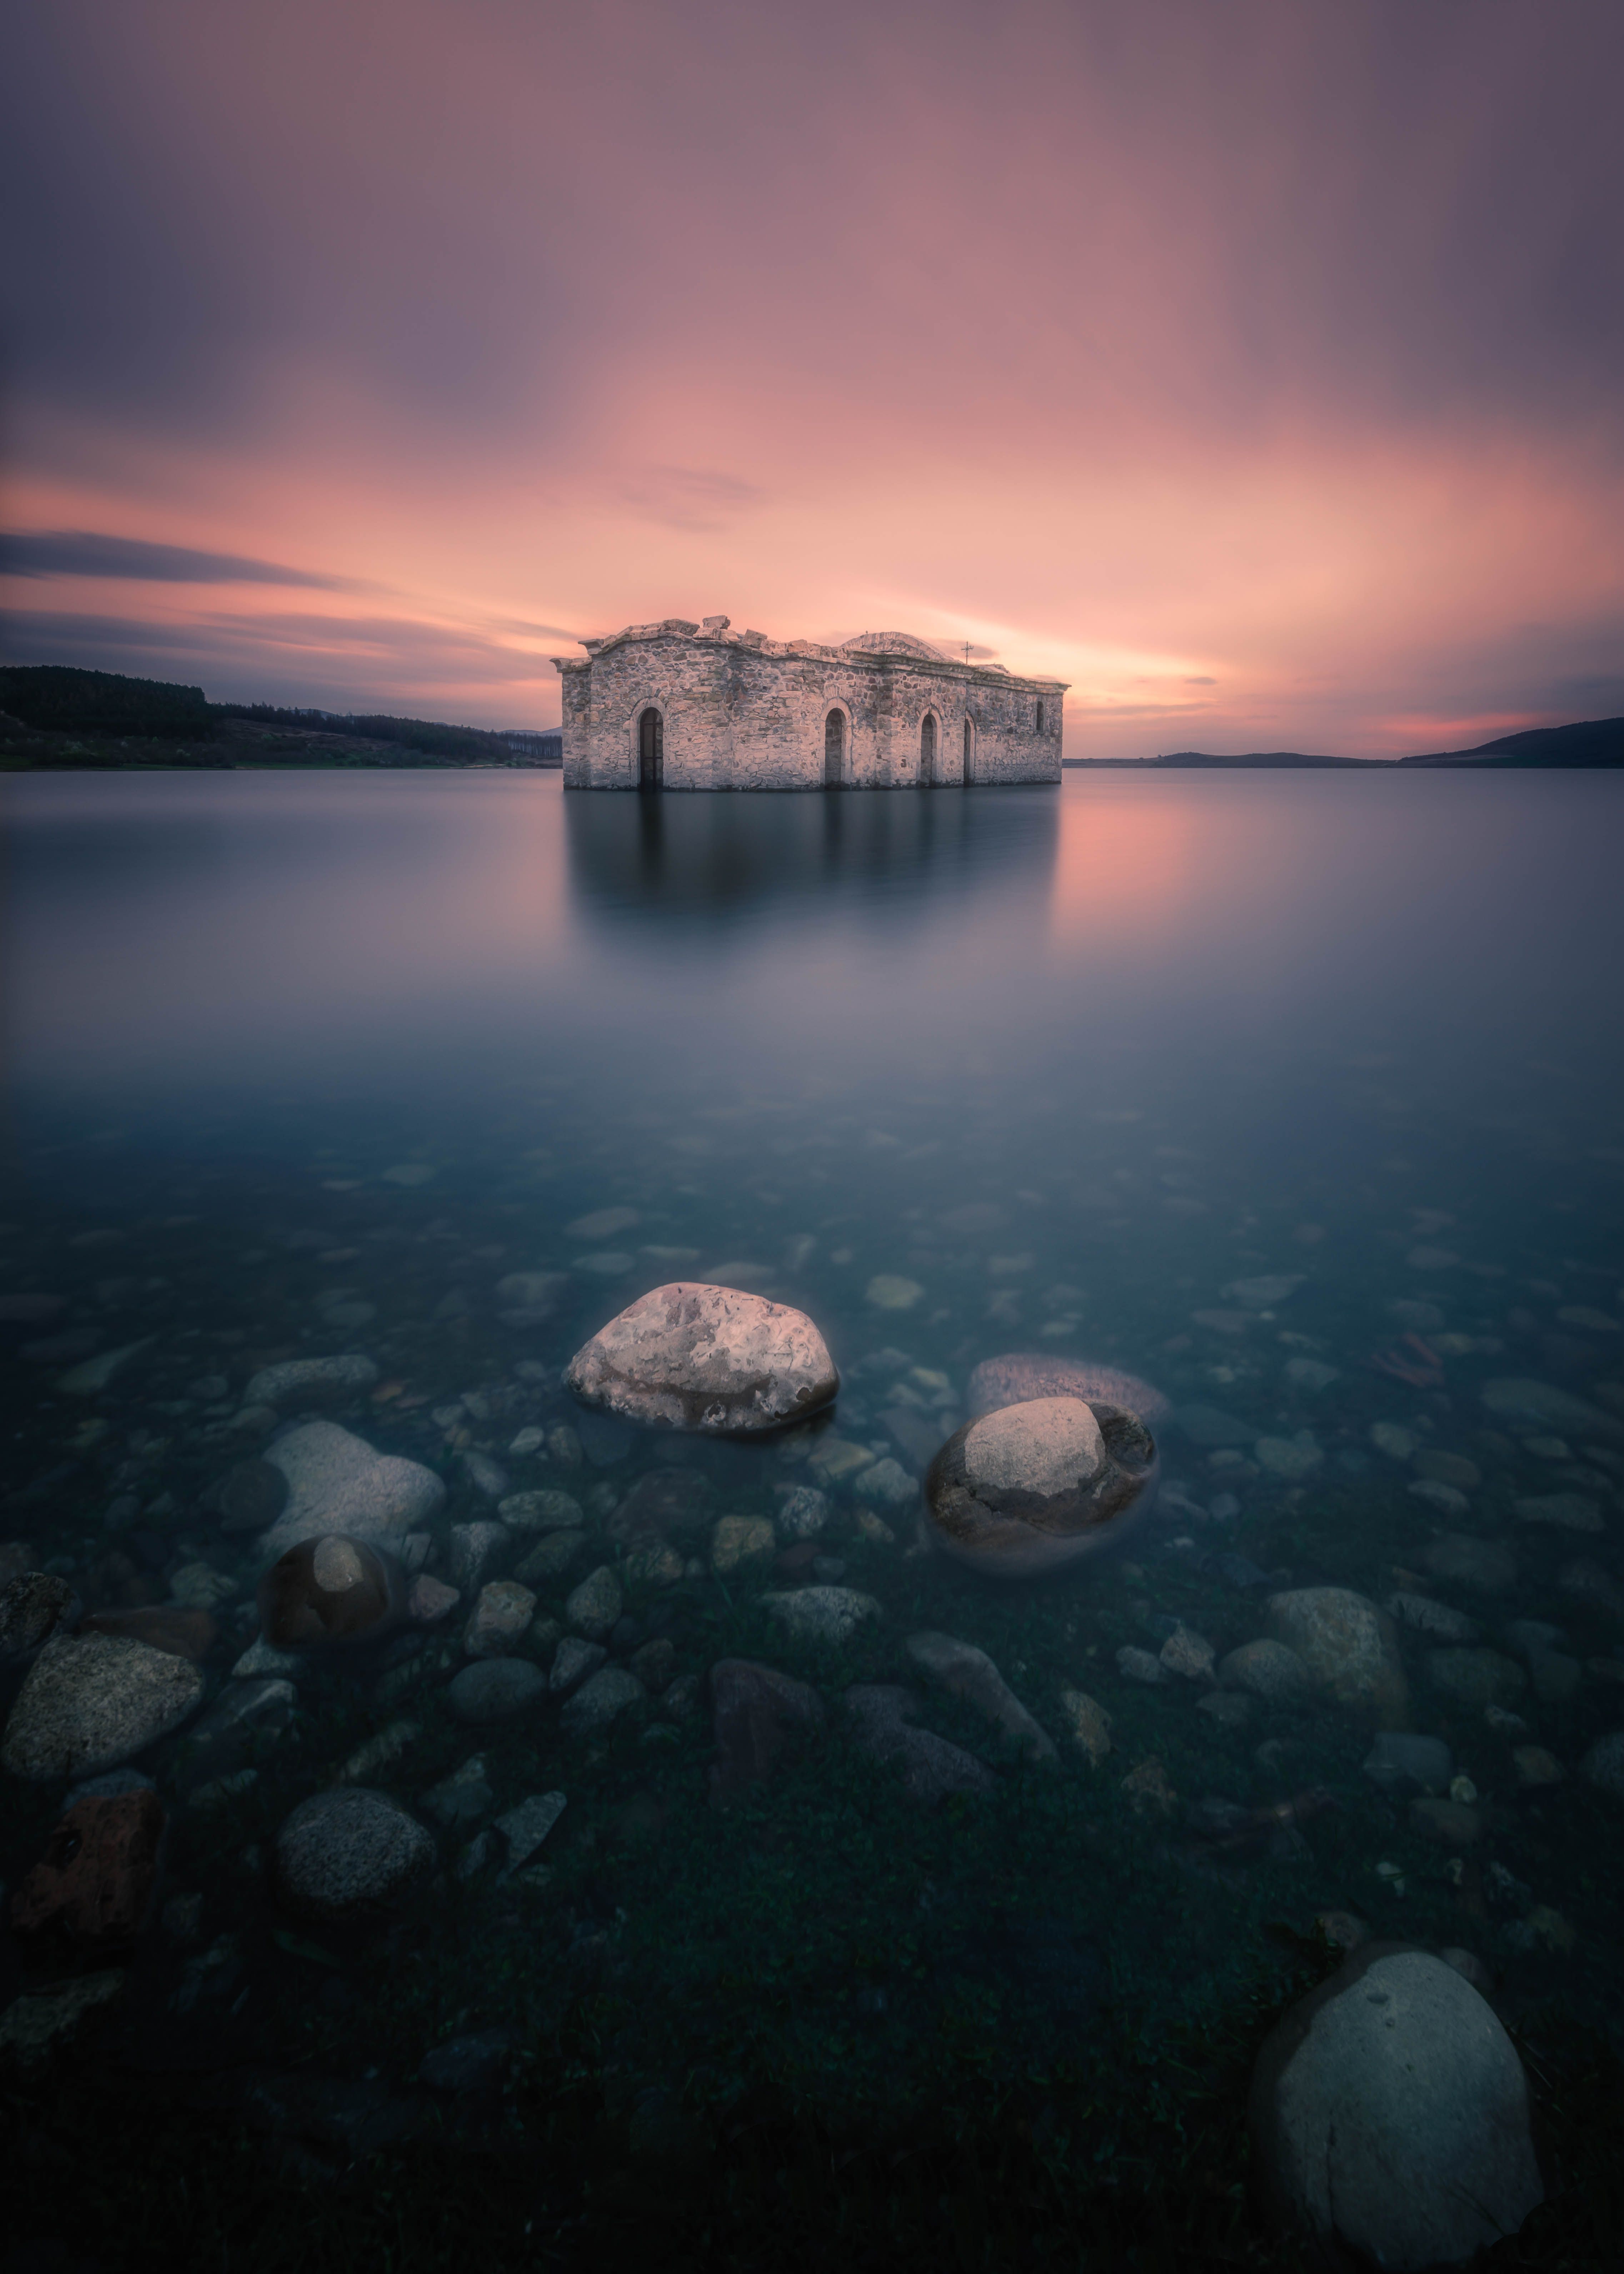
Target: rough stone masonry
{"type": "Point", "coordinates": [676, 705]}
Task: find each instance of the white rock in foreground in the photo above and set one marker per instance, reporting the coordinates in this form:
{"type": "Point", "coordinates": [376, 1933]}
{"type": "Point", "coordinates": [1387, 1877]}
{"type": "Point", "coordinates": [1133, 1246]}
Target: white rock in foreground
{"type": "Point", "coordinates": [337, 1482]}
{"type": "Point", "coordinates": [1389, 2115]}
{"type": "Point", "coordinates": [712, 1358]}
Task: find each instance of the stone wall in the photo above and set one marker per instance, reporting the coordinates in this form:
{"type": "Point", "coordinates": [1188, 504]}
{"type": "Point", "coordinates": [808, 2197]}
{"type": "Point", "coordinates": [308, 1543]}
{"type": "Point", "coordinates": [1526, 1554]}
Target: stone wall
{"type": "Point", "coordinates": [740, 711]}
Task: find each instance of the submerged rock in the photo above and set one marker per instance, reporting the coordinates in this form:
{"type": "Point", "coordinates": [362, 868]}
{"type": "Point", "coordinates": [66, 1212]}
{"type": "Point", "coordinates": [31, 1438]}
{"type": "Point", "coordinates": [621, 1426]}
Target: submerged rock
{"type": "Point", "coordinates": [932, 1769]}
{"type": "Point", "coordinates": [1032, 1488]}
{"type": "Point", "coordinates": [1348, 1646]}
{"type": "Point", "coordinates": [349, 1852]}
{"type": "Point", "coordinates": [1475, 1677]}
{"type": "Point", "coordinates": [1020, 1376]}
{"type": "Point", "coordinates": [311, 1382]}
{"type": "Point", "coordinates": [44, 2023]}
{"type": "Point", "coordinates": [91, 1889]}
{"type": "Point", "coordinates": [712, 1358]}
{"type": "Point", "coordinates": [602, 1697]}
{"type": "Point", "coordinates": [1462, 1559]}
{"type": "Point", "coordinates": [33, 1607]}
{"type": "Point", "coordinates": [830, 1615]}
{"type": "Point", "coordinates": [593, 1607]}
{"type": "Point", "coordinates": [91, 1701]}
{"type": "Point", "coordinates": [1400, 1761]}
{"type": "Point", "coordinates": [968, 1672]}
{"type": "Point", "coordinates": [166, 1626]}
{"type": "Point", "coordinates": [1267, 1670]}
{"type": "Point", "coordinates": [1519, 1400]}
{"type": "Point", "coordinates": [1389, 2116]}
{"type": "Point", "coordinates": [330, 1590]}
{"type": "Point", "coordinates": [337, 1482]}
{"type": "Point", "coordinates": [492, 1687]}
{"type": "Point", "coordinates": [1089, 1725]}
{"type": "Point", "coordinates": [760, 1718]}
{"type": "Point", "coordinates": [250, 1497]}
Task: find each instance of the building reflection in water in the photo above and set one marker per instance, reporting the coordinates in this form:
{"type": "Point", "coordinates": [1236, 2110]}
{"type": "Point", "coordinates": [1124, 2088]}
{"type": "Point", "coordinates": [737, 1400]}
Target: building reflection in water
{"type": "Point", "coordinates": [706, 859]}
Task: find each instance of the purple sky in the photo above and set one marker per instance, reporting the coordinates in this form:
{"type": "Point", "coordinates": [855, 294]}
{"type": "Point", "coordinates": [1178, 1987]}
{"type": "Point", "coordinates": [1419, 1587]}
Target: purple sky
{"type": "Point", "coordinates": [1252, 365]}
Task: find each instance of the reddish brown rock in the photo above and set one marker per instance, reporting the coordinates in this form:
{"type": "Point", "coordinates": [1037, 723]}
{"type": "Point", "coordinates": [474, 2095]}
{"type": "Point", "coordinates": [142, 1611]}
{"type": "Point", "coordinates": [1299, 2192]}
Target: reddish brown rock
{"type": "Point", "coordinates": [92, 1886]}
{"type": "Point", "coordinates": [330, 1590]}
{"type": "Point", "coordinates": [1020, 1376]}
{"type": "Point", "coordinates": [184, 1633]}
{"type": "Point", "coordinates": [760, 1718]}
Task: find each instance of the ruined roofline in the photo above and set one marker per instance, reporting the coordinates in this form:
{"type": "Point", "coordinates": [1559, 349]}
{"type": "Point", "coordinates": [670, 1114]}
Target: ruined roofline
{"type": "Point", "coordinates": [715, 632]}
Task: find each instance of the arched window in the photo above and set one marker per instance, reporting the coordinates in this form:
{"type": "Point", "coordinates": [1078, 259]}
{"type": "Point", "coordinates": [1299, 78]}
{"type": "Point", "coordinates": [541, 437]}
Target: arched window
{"type": "Point", "coordinates": [969, 750]}
{"type": "Point", "coordinates": [1040, 718]}
{"type": "Point", "coordinates": [928, 750]}
{"type": "Point", "coordinates": [834, 750]}
{"type": "Point", "coordinates": [650, 750]}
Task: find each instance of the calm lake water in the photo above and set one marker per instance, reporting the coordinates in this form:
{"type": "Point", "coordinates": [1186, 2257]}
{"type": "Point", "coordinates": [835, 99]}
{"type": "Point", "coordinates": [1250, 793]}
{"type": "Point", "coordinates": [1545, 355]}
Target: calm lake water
{"type": "Point", "coordinates": [1298, 1098]}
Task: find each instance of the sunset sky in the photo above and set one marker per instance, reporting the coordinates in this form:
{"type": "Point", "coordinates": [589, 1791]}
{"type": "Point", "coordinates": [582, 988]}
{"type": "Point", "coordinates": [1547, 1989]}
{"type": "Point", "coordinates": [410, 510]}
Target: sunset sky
{"type": "Point", "coordinates": [1255, 366]}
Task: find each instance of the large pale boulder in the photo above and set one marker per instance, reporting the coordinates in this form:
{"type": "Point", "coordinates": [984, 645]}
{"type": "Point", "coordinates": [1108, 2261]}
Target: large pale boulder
{"type": "Point", "coordinates": [1389, 2117]}
{"type": "Point", "coordinates": [337, 1482]}
{"type": "Point", "coordinates": [711, 1359]}
{"type": "Point", "coordinates": [1349, 1647]}
{"type": "Point", "coordinates": [1030, 1487]}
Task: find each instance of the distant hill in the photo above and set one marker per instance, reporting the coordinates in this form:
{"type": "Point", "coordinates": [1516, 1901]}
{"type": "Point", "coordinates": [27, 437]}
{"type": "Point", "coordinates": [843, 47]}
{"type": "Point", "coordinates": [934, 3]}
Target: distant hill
{"type": "Point", "coordinates": [52, 715]}
{"type": "Point", "coordinates": [1211, 759]}
{"type": "Point", "coordinates": [1256, 758]}
{"type": "Point", "coordinates": [1589, 743]}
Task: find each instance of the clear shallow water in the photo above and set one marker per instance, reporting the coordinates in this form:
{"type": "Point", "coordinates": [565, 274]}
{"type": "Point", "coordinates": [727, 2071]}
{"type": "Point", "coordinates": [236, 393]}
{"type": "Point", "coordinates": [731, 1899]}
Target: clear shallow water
{"type": "Point", "coordinates": [295, 1066]}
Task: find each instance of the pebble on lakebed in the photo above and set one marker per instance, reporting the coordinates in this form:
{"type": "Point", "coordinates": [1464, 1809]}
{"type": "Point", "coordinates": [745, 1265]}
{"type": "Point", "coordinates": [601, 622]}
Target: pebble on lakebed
{"type": "Point", "coordinates": [690, 1356]}
{"type": "Point", "coordinates": [1031, 1487]}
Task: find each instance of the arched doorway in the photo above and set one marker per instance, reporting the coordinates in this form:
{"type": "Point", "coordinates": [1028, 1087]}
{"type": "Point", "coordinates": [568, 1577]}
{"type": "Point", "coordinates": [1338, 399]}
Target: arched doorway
{"type": "Point", "coordinates": [834, 750]}
{"type": "Point", "coordinates": [927, 752]}
{"type": "Point", "coordinates": [650, 750]}
{"type": "Point", "coordinates": [969, 750]}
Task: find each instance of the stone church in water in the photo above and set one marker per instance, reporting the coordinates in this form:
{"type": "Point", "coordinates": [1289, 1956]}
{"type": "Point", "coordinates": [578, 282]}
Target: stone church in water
{"type": "Point", "coordinates": [676, 705]}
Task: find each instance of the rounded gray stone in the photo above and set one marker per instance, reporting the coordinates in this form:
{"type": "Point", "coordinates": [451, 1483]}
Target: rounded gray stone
{"type": "Point", "coordinates": [90, 1701]}
{"type": "Point", "coordinates": [593, 1607]}
{"type": "Point", "coordinates": [1030, 1487]}
{"type": "Point", "coordinates": [717, 1359]}
{"type": "Point", "coordinates": [310, 1380]}
{"type": "Point", "coordinates": [1349, 1647]}
{"type": "Point", "coordinates": [493, 1687]}
{"type": "Point", "coordinates": [337, 1482]}
{"type": "Point", "coordinates": [345, 1853]}
{"type": "Point", "coordinates": [601, 1697]}
{"type": "Point", "coordinates": [1389, 2116]}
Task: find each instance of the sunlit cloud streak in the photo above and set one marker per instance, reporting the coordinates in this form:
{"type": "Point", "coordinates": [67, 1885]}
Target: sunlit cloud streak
{"type": "Point", "coordinates": [1269, 347]}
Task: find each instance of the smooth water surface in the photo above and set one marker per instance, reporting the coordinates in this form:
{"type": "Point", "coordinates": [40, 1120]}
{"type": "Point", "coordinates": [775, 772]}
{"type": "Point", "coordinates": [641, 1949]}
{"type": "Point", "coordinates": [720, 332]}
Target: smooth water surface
{"type": "Point", "coordinates": [1298, 1097]}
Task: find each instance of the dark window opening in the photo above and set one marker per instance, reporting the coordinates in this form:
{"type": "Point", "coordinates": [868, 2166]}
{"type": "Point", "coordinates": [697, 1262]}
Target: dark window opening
{"type": "Point", "coordinates": [834, 750]}
{"type": "Point", "coordinates": [969, 752]}
{"type": "Point", "coordinates": [928, 750]}
{"type": "Point", "coordinates": [650, 750]}
{"type": "Point", "coordinates": [1040, 718]}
